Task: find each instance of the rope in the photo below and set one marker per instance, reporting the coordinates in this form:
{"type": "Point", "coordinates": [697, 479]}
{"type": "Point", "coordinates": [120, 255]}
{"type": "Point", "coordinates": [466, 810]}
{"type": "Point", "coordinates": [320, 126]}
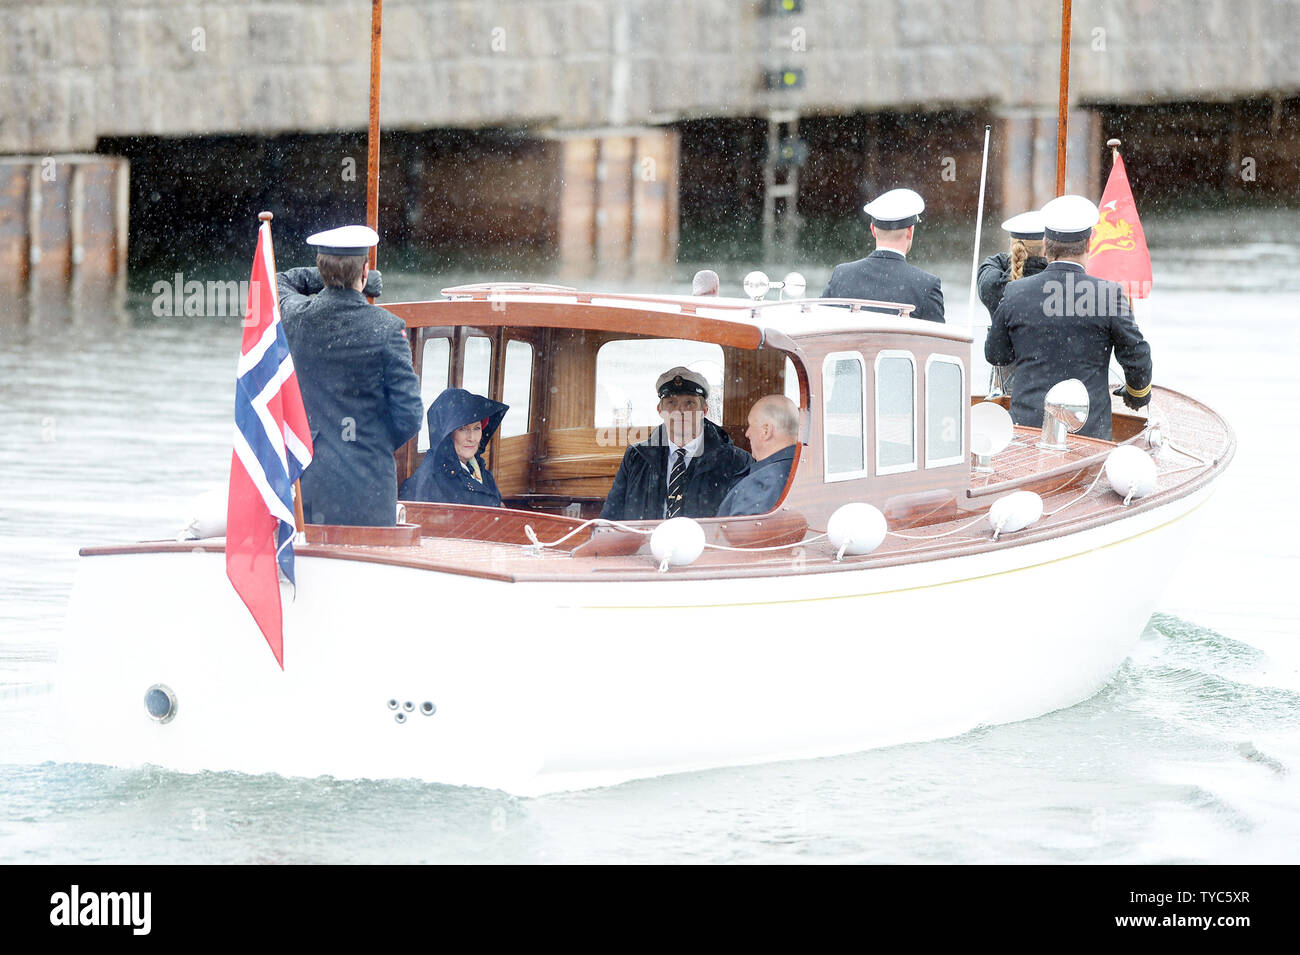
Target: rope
{"type": "Point", "coordinates": [532, 535]}
{"type": "Point", "coordinates": [539, 544]}
{"type": "Point", "coordinates": [1100, 472]}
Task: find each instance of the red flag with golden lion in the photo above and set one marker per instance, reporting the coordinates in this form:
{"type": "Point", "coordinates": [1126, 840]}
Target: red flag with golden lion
{"type": "Point", "coordinates": [1118, 250]}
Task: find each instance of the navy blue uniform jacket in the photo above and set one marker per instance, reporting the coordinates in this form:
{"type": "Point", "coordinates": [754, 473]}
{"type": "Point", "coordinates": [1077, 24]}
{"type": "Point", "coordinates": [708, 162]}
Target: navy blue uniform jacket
{"type": "Point", "coordinates": [995, 272]}
{"type": "Point", "coordinates": [641, 486]}
{"type": "Point", "coordinates": [761, 488]}
{"type": "Point", "coordinates": [1062, 323]}
{"type": "Point", "coordinates": [441, 477]}
{"type": "Point", "coordinates": [362, 398]}
{"type": "Point", "coordinates": [886, 276]}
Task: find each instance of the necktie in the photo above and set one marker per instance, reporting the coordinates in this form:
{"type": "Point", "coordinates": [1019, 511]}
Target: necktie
{"type": "Point", "coordinates": [676, 478]}
{"type": "Point", "coordinates": [472, 467]}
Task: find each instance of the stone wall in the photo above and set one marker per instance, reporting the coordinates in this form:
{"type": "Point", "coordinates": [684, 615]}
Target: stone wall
{"type": "Point", "coordinates": [74, 71]}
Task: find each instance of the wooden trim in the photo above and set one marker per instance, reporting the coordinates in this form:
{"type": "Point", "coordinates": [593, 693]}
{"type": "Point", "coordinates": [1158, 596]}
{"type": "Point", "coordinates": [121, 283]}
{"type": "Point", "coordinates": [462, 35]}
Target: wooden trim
{"type": "Point", "coordinates": [653, 324]}
{"type": "Point", "coordinates": [402, 535]}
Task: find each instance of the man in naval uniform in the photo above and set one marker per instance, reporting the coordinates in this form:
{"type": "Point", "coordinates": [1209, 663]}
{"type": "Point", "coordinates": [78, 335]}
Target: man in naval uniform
{"type": "Point", "coordinates": [772, 432]}
{"type": "Point", "coordinates": [1063, 323]}
{"type": "Point", "coordinates": [686, 466]}
{"type": "Point", "coordinates": [885, 275]}
{"type": "Point", "coordinates": [353, 362]}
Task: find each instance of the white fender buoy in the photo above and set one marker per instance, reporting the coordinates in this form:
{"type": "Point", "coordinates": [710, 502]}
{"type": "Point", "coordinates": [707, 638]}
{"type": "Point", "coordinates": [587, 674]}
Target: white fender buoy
{"type": "Point", "coordinates": [1015, 512]}
{"type": "Point", "coordinates": [1131, 472]}
{"type": "Point", "coordinates": [677, 542]}
{"type": "Point", "coordinates": [207, 516]}
{"type": "Point", "coordinates": [856, 528]}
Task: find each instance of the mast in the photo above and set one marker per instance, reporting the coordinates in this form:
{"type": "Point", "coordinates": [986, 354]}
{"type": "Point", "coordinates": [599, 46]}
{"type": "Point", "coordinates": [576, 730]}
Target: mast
{"type": "Point", "coordinates": [1063, 104]}
{"type": "Point", "coordinates": [372, 144]}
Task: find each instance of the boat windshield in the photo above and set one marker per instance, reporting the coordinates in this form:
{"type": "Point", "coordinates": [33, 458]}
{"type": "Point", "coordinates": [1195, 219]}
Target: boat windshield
{"type": "Point", "coordinates": [579, 397]}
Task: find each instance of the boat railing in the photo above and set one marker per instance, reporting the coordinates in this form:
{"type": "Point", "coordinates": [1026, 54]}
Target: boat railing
{"type": "Point", "coordinates": [484, 291]}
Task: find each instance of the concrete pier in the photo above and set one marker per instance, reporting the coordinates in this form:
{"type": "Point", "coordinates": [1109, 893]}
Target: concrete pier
{"type": "Point", "coordinates": [886, 93]}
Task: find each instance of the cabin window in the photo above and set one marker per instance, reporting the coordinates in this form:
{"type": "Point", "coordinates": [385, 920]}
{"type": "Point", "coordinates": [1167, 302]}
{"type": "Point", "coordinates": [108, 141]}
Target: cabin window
{"type": "Point", "coordinates": [843, 377]}
{"type": "Point", "coordinates": [895, 412]}
{"type": "Point", "coordinates": [945, 406]}
{"type": "Point", "coordinates": [477, 376]}
{"type": "Point", "coordinates": [626, 371]}
{"type": "Point", "coordinates": [792, 384]}
{"type": "Point", "coordinates": [435, 367]}
{"type": "Point", "coordinates": [517, 389]}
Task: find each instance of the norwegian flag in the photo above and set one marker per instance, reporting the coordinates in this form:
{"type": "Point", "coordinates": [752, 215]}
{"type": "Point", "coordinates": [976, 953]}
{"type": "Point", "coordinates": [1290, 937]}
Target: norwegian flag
{"type": "Point", "coordinates": [272, 447]}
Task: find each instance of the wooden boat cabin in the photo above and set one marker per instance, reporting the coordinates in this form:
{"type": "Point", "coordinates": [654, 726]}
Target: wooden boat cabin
{"type": "Point", "coordinates": [884, 399]}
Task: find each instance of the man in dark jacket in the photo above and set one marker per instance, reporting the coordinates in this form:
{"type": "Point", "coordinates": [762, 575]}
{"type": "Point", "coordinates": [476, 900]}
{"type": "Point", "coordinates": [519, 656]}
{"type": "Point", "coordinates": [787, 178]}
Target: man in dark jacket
{"type": "Point", "coordinates": [1063, 323]}
{"type": "Point", "coordinates": [461, 424]}
{"type": "Point", "coordinates": [685, 467]}
{"type": "Point", "coordinates": [885, 275]}
{"type": "Point", "coordinates": [772, 433]}
{"type": "Point", "coordinates": [361, 393]}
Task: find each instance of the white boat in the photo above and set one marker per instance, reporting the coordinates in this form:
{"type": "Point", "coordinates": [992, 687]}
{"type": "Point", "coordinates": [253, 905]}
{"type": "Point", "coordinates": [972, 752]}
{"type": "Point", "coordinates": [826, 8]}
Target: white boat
{"type": "Point", "coordinates": [585, 663]}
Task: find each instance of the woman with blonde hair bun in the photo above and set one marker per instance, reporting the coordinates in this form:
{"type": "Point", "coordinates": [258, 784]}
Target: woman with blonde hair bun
{"type": "Point", "coordinates": [1024, 258]}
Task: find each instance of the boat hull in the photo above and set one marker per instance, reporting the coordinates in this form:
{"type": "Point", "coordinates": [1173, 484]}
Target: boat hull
{"type": "Point", "coordinates": [546, 686]}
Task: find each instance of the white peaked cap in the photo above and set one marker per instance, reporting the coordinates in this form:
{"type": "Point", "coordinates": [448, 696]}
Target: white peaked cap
{"type": "Point", "coordinates": [1027, 225]}
{"type": "Point", "coordinates": [1069, 218]}
{"type": "Point", "coordinates": [896, 209]}
{"type": "Point", "coordinates": [345, 240]}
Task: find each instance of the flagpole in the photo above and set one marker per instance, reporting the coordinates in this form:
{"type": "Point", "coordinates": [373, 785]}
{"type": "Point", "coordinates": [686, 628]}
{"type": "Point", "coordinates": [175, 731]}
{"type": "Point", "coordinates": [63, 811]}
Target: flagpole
{"type": "Point", "coordinates": [1063, 105]}
{"type": "Point", "coordinates": [299, 519]}
{"type": "Point", "coordinates": [979, 222]}
{"type": "Point", "coordinates": [372, 158]}
{"type": "Point", "coordinates": [1114, 149]}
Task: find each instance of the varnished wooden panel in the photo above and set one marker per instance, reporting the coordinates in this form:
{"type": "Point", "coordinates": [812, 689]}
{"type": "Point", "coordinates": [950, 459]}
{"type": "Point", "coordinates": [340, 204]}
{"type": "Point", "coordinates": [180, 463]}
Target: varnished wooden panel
{"type": "Point", "coordinates": [489, 523]}
{"type": "Point", "coordinates": [579, 487]}
{"type": "Point", "coordinates": [549, 314]}
{"type": "Point", "coordinates": [567, 384]}
{"type": "Point", "coordinates": [513, 464]}
{"type": "Point", "coordinates": [402, 535]}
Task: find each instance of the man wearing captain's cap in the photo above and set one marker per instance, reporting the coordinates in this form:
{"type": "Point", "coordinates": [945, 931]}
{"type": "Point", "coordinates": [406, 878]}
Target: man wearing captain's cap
{"type": "Point", "coordinates": [687, 465]}
{"type": "Point", "coordinates": [885, 275]}
{"type": "Point", "coordinates": [1063, 323]}
{"type": "Point", "coordinates": [353, 362]}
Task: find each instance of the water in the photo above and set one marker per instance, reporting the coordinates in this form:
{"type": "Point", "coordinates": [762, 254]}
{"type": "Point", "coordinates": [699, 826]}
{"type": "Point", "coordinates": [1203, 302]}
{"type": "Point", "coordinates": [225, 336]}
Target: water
{"type": "Point", "coordinates": [1191, 755]}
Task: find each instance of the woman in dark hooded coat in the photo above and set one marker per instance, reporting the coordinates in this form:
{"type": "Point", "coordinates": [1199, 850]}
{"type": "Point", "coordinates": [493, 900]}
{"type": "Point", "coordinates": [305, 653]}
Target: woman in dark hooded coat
{"type": "Point", "coordinates": [460, 425]}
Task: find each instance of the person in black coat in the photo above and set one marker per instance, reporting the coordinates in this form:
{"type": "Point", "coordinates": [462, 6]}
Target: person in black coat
{"type": "Point", "coordinates": [885, 275]}
{"type": "Point", "coordinates": [1063, 323]}
{"type": "Point", "coordinates": [772, 433]}
{"type": "Point", "coordinates": [655, 481]}
{"type": "Point", "coordinates": [1024, 258]}
{"type": "Point", "coordinates": [353, 362]}
{"type": "Point", "coordinates": [461, 424]}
